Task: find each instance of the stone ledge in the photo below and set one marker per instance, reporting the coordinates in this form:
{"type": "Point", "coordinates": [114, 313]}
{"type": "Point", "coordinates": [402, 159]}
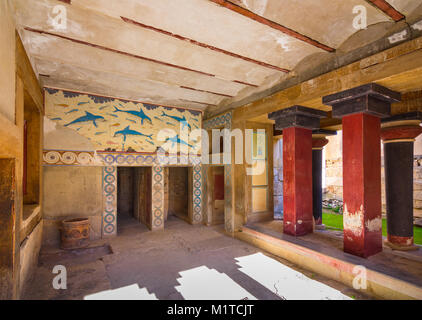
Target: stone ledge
{"type": "Point", "coordinates": [380, 285]}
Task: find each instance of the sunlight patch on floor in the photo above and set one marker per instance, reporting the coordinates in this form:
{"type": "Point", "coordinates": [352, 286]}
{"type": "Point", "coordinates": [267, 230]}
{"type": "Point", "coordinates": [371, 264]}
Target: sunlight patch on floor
{"type": "Point", "coordinates": [132, 292]}
{"type": "Point", "coordinates": [203, 283]}
{"type": "Point", "coordinates": [284, 281]}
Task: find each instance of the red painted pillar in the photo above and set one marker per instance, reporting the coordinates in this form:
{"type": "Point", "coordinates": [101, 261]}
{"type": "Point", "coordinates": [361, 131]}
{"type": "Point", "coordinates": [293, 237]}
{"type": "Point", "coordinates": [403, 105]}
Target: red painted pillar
{"type": "Point", "coordinates": [362, 185]}
{"type": "Point", "coordinates": [297, 123]}
{"type": "Point", "coordinates": [360, 109]}
{"type": "Point", "coordinates": [297, 181]}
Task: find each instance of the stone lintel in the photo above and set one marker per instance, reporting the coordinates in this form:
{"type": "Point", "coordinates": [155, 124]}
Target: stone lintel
{"type": "Point", "coordinates": [297, 116]}
{"type": "Point", "coordinates": [323, 133]}
{"type": "Point", "coordinates": [415, 115]}
{"type": "Point", "coordinates": [371, 98]}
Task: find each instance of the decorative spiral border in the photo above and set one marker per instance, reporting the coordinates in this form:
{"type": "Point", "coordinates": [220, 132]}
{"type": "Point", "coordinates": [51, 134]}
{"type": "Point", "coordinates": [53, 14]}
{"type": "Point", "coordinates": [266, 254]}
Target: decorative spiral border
{"type": "Point", "coordinates": [197, 194]}
{"type": "Point", "coordinates": [109, 221]}
{"type": "Point", "coordinates": [63, 157]}
{"type": "Point", "coordinates": [228, 220]}
{"type": "Point", "coordinates": [89, 158]}
{"type": "Point", "coordinates": [157, 218]}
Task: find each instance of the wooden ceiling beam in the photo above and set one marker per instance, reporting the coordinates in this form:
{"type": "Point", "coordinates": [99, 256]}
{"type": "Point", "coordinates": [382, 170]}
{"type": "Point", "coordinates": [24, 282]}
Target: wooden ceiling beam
{"type": "Point", "coordinates": [204, 45]}
{"type": "Point", "coordinates": [387, 8]}
{"type": "Point", "coordinates": [128, 54]}
{"type": "Point", "coordinates": [292, 33]}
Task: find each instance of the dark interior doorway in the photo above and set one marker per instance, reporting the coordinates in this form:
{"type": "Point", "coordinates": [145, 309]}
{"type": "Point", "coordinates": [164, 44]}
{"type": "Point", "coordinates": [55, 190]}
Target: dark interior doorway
{"type": "Point", "coordinates": [133, 196]}
{"type": "Point", "coordinates": [178, 189]}
{"type": "Point", "coordinates": [218, 195]}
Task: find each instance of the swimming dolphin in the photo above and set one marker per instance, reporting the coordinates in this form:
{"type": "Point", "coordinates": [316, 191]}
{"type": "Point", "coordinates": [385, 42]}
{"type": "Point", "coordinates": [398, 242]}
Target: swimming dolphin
{"type": "Point", "coordinates": [183, 120]}
{"type": "Point", "coordinates": [176, 139]}
{"type": "Point", "coordinates": [139, 114]}
{"type": "Point", "coordinates": [87, 117]}
{"type": "Point", "coordinates": [129, 132]}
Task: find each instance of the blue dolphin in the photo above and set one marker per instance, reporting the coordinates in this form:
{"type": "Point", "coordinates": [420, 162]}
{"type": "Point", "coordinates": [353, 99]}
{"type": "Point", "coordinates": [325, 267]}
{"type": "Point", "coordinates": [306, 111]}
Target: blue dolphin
{"type": "Point", "coordinates": [139, 114]}
{"type": "Point", "coordinates": [87, 117]}
{"type": "Point", "coordinates": [129, 132]}
{"type": "Point", "coordinates": [183, 120]}
{"type": "Point", "coordinates": [176, 139]}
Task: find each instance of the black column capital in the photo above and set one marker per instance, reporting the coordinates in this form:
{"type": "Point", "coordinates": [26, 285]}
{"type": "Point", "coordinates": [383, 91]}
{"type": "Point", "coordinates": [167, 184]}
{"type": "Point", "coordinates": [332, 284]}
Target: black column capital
{"type": "Point", "coordinates": [371, 98]}
{"type": "Point", "coordinates": [297, 116]}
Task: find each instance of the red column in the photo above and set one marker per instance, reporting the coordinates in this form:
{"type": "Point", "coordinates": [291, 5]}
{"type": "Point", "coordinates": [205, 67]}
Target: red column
{"type": "Point", "coordinates": [297, 123]}
{"type": "Point", "coordinates": [297, 176]}
{"type": "Point", "coordinates": [361, 109]}
{"type": "Point", "coordinates": [362, 218]}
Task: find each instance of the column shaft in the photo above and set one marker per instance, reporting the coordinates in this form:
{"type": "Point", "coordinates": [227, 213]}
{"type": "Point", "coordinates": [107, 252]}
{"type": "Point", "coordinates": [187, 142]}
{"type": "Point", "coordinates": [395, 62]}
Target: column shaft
{"type": "Point", "coordinates": [297, 187]}
{"type": "Point", "coordinates": [362, 184]}
{"type": "Point", "coordinates": [398, 164]}
{"type": "Point", "coordinates": [317, 185]}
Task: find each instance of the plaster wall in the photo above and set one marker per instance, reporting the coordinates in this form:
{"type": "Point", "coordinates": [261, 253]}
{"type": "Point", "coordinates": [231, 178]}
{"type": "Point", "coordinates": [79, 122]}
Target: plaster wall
{"type": "Point", "coordinates": [70, 192]}
{"type": "Point", "coordinates": [7, 62]}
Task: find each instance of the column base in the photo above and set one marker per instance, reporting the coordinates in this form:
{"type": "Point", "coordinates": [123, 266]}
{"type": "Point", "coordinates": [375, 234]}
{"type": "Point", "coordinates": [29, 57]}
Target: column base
{"type": "Point", "coordinates": [398, 247]}
{"type": "Point", "coordinates": [320, 227]}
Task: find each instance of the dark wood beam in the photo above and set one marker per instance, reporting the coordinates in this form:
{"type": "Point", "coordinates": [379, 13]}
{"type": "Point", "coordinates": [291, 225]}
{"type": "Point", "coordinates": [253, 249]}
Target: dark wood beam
{"type": "Point", "coordinates": [249, 14]}
{"type": "Point", "coordinates": [204, 45]}
{"type": "Point", "coordinates": [388, 9]}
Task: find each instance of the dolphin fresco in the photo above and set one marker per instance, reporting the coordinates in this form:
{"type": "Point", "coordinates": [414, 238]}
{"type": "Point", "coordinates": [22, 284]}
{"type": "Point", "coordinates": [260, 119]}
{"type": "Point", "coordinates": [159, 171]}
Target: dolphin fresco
{"type": "Point", "coordinates": [71, 111]}
{"type": "Point", "coordinates": [176, 139]}
{"type": "Point", "coordinates": [131, 120]}
{"type": "Point", "coordinates": [86, 118]}
{"type": "Point", "coordinates": [129, 132]}
{"type": "Point", "coordinates": [183, 120]}
{"type": "Point", "coordinates": [140, 114]}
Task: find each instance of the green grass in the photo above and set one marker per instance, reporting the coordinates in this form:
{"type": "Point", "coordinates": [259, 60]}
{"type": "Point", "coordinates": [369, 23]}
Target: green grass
{"type": "Point", "coordinates": [335, 221]}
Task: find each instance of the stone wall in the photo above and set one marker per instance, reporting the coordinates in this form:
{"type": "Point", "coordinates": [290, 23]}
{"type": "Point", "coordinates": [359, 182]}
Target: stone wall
{"type": "Point", "coordinates": [334, 173]}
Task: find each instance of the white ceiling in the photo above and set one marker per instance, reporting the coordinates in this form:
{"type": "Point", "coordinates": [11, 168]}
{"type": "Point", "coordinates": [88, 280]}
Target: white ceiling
{"type": "Point", "coordinates": [190, 53]}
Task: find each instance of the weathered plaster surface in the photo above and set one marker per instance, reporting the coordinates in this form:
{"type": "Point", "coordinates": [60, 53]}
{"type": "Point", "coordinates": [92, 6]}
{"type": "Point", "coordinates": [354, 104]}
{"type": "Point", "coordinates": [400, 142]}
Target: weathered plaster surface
{"type": "Point", "coordinates": [71, 192]}
{"type": "Point", "coordinates": [353, 221]}
{"type": "Point", "coordinates": [7, 62]}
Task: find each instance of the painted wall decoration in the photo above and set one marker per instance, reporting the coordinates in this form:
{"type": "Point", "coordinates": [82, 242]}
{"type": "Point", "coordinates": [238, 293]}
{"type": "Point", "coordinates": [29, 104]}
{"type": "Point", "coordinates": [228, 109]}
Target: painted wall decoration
{"type": "Point", "coordinates": [118, 125]}
{"type": "Point", "coordinates": [109, 219]}
{"type": "Point", "coordinates": [197, 193]}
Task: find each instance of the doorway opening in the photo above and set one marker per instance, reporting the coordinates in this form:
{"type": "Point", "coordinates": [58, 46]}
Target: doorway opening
{"type": "Point", "coordinates": [133, 196]}
{"type": "Point", "coordinates": [217, 195]}
{"type": "Point", "coordinates": [179, 188]}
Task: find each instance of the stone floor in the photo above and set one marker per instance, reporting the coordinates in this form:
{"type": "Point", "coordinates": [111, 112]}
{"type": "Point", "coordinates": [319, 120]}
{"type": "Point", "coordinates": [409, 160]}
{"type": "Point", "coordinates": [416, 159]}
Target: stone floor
{"type": "Point", "coordinates": [169, 263]}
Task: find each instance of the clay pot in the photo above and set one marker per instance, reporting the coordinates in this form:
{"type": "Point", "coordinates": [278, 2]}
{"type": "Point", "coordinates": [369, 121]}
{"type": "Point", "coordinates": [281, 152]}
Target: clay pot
{"type": "Point", "coordinates": [75, 233]}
